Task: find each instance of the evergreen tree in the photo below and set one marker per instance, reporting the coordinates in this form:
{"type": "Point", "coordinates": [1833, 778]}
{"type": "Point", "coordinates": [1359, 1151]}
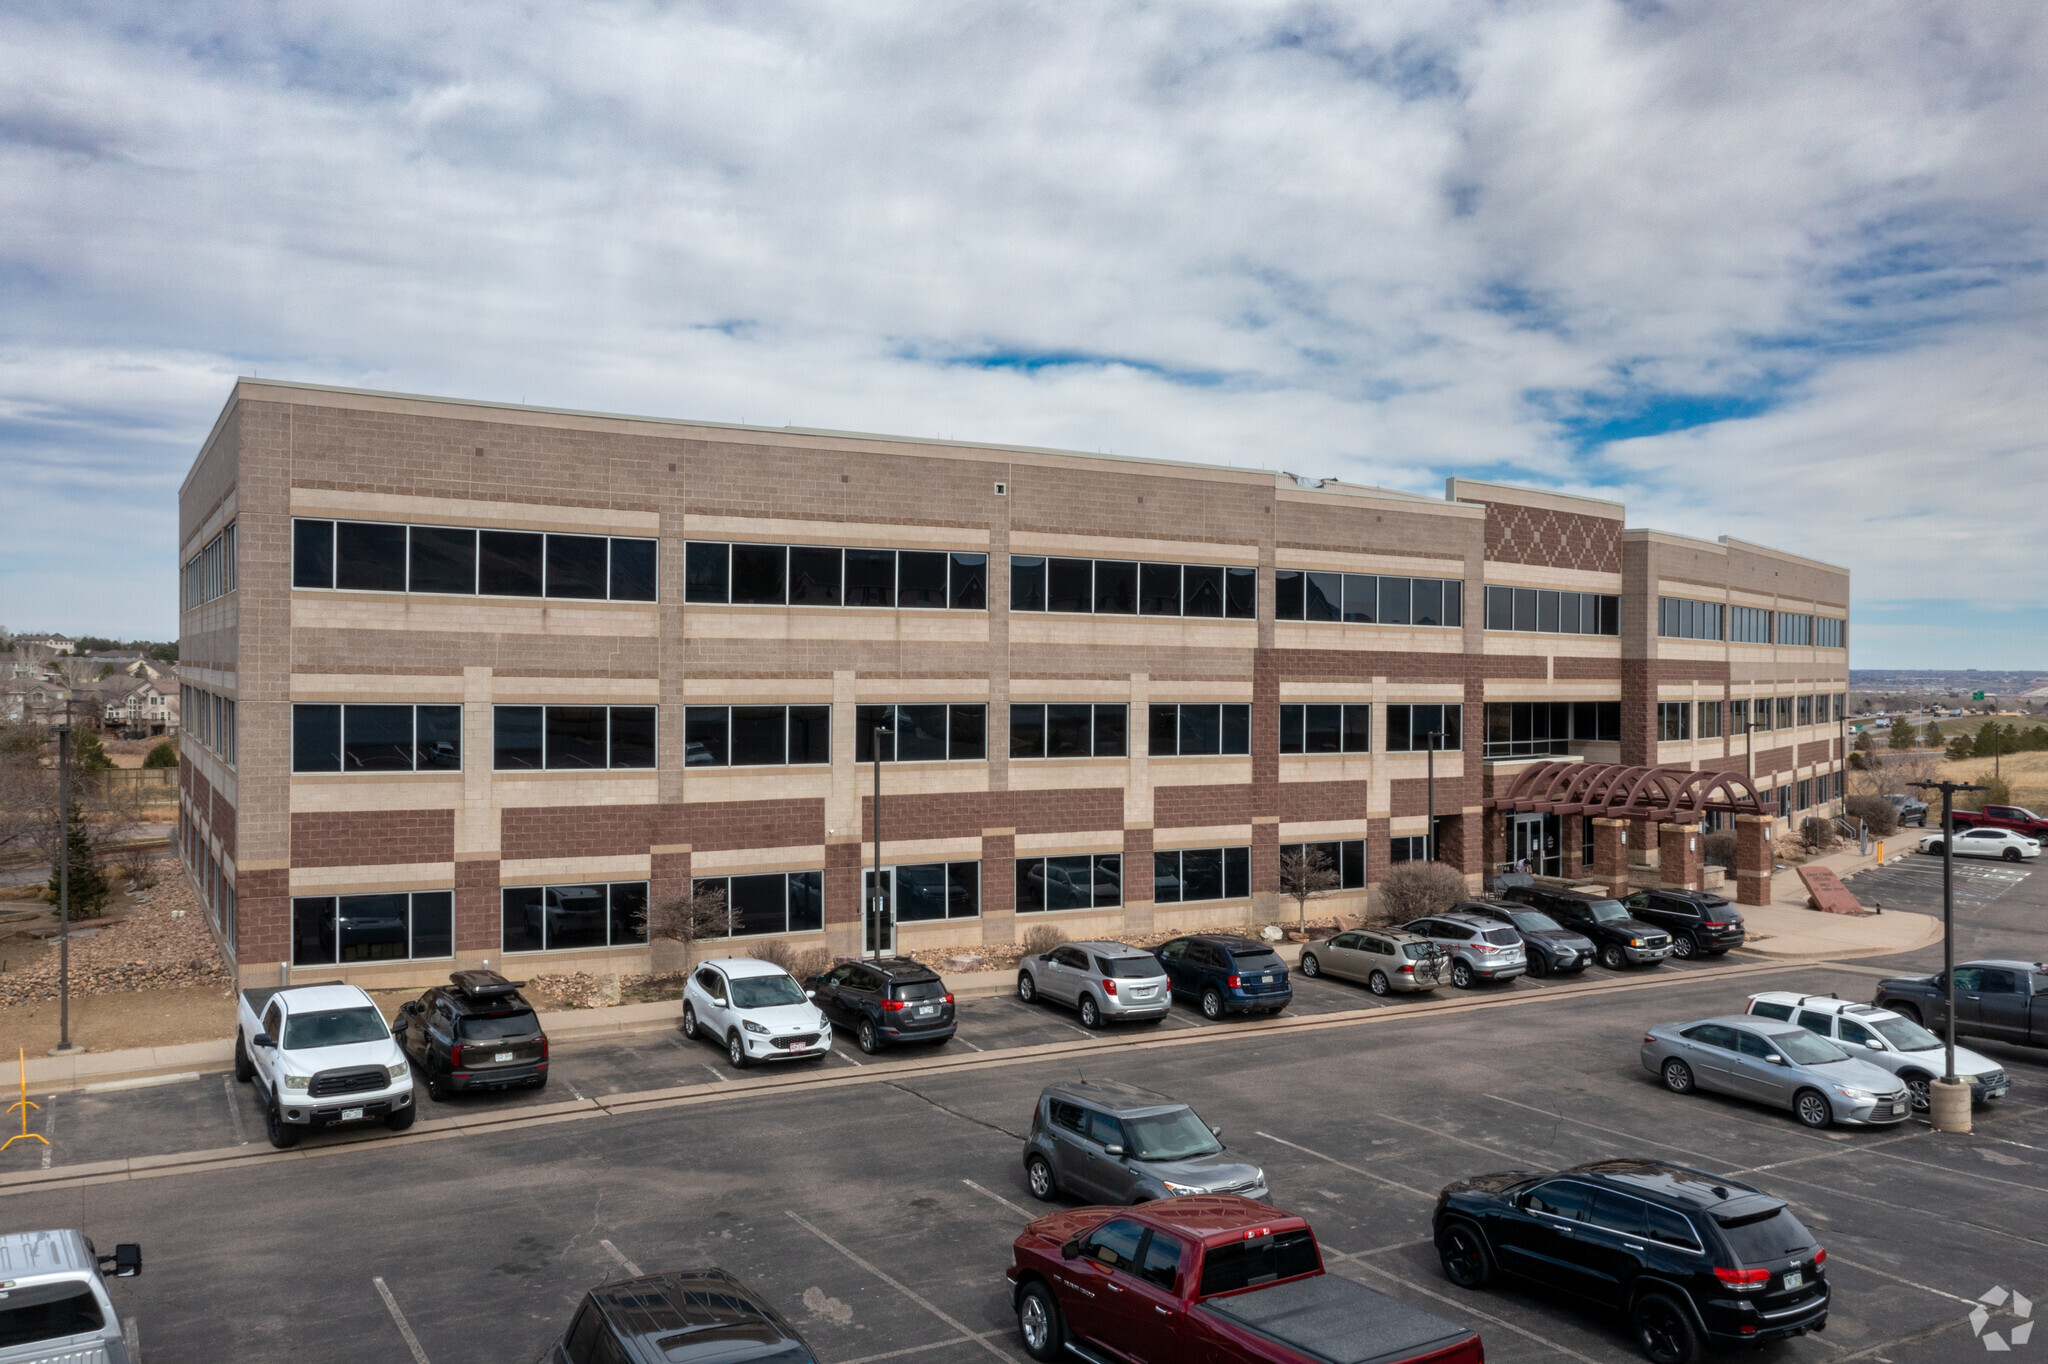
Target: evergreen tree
{"type": "Point", "coordinates": [88, 755]}
{"type": "Point", "coordinates": [88, 882]}
{"type": "Point", "coordinates": [164, 754]}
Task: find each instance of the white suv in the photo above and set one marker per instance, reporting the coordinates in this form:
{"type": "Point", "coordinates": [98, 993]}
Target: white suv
{"type": "Point", "coordinates": [756, 1009]}
{"type": "Point", "coordinates": [1883, 1038]}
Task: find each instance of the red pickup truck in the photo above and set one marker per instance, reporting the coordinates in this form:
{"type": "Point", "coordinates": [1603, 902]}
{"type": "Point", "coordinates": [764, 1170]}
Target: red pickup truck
{"type": "Point", "coordinates": [2017, 818]}
{"type": "Point", "coordinates": [1208, 1279]}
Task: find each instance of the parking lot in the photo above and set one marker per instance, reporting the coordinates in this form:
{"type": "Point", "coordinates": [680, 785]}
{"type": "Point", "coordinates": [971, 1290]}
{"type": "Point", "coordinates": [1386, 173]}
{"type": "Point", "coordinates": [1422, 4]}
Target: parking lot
{"type": "Point", "coordinates": [876, 1205]}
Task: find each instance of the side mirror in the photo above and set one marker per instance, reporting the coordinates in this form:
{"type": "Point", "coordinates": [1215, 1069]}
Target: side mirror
{"type": "Point", "coordinates": [400, 1024]}
{"type": "Point", "coordinates": [1071, 1250]}
{"type": "Point", "coordinates": [1114, 1150]}
{"type": "Point", "coordinates": [1775, 1059]}
{"type": "Point", "coordinates": [127, 1260]}
{"type": "Point", "coordinates": [262, 1039]}
{"type": "Point", "coordinates": [1214, 1130]}
{"type": "Point", "coordinates": [811, 995]}
{"type": "Point", "coordinates": [1874, 1044]}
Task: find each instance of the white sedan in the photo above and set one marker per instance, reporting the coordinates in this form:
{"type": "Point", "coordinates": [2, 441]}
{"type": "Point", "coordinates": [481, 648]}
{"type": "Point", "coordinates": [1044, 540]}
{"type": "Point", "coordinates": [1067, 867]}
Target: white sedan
{"type": "Point", "coordinates": [1986, 843]}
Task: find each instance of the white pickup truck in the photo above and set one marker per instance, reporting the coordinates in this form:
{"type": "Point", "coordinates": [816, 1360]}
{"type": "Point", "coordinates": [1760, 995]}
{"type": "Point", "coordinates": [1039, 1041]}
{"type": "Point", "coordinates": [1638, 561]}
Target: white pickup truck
{"type": "Point", "coordinates": [54, 1307]}
{"type": "Point", "coordinates": [320, 1055]}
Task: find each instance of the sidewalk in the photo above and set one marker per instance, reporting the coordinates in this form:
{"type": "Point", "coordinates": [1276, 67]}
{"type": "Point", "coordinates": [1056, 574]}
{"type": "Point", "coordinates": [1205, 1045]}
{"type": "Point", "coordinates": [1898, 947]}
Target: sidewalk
{"type": "Point", "coordinates": [1789, 929]}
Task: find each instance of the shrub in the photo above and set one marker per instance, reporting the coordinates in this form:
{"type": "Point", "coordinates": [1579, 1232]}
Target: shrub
{"type": "Point", "coordinates": [1414, 889]}
{"type": "Point", "coordinates": [801, 962]}
{"type": "Point", "coordinates": [1817, 833]}
{"type": "Point", "coordinates": [1043, 938]}
{"type": "Point", "coordinates": [164, 754]}
{"type": "Point", "coordinates": [1877, 814]}
{"type": "Point", "coordinates": [1718, 848]}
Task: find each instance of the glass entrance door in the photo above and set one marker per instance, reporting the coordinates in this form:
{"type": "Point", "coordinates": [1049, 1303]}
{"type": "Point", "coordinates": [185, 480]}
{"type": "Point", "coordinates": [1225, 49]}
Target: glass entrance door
{"type": "Point", "coordinates": [1525, 843]}
{"type": "Point", "coordinates": [878, 913]}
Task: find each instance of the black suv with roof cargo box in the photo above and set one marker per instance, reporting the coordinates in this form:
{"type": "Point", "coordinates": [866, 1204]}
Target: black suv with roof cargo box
{"type": "Point", "coordinates": [475, 1032]}
{"type": "Point", "coordinates": [885, 1002]}
{"type": "Point", "coordinates": [1690, 1258]}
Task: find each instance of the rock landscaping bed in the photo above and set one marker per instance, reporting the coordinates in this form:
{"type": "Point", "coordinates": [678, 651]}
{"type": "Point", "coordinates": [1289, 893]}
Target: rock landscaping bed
{"type": "Point", "coordinates": [152, 940]}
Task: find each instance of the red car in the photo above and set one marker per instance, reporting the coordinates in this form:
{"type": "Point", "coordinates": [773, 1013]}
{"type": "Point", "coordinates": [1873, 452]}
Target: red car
{"type": "Point", "coordinates": [2017, 818]}
{"type": "Point", "coordinates": [1208, 1277]}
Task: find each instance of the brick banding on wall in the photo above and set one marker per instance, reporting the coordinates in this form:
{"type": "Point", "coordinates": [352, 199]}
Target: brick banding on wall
{"type": "Point", "coordinates": [372, 837]}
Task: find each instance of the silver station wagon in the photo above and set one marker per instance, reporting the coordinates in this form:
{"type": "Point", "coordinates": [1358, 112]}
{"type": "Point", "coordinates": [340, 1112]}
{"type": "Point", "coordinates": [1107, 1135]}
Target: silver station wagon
{"type": "Point", "coordinates": [1387, 960]}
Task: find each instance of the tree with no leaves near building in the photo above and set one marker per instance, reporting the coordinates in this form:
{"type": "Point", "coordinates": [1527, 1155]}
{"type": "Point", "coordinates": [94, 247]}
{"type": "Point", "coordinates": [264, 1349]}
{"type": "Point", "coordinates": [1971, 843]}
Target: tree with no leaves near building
{"type": "Point", "coordinates": [1306, 872]}
{"type": "Point", "coordinates": [1415, 889]}
{"type": "Point", "coordinates": [689, 919]}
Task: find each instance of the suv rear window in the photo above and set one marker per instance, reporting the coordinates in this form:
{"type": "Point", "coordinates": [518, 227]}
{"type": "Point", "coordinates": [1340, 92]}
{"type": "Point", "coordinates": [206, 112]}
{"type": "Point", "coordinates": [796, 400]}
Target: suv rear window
{"type": "Point", "coordinates": [1128, 968]}
{"type": "Point", "coordinates": [1502, 937]}
{"type": "Point", "coordinates": [494, 1026]}
{"type": "Point", "coordinates": [1241, 1264]}
{"type": "Point", "coordinates": [1781, 1012]}
{"type": "Point", "coordinates": [1765, 1236]}
{"type": "Point", "coordinates": [918, 989]}
{"type": "Point", "coordinates": [1257, 961]}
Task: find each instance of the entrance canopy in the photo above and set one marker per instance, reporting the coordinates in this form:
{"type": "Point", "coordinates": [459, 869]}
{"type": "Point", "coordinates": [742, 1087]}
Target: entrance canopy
{"type": "Point", "coordinates": [1616, 791]}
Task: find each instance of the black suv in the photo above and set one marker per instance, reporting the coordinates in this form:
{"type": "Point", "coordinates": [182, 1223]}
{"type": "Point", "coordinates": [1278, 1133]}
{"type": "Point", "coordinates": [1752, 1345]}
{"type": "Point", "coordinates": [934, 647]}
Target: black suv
{"type": "Point", "coordinates": [891, 1000]}
{"type": "Point", "coordinates": [1619, 939]}
{"type": "Point", "coordinates": [678, 1318]}
{"type": "Point", "coordinates": [475, 1032]}
{"type": "Point", "coordinates": [1692, 1259]}
{"type": "Point", "coordinates": [1701, 924]}
{"type": "Point", "coordinates": [1554, 950]}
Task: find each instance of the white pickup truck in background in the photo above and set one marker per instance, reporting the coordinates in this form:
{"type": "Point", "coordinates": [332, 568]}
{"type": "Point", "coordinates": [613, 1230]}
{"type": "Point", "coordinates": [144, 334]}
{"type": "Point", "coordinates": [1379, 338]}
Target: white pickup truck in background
{"type": "Point", "coordinates": [54, 1307]}
{"type": "Point", "coordinates": [320, 1055]}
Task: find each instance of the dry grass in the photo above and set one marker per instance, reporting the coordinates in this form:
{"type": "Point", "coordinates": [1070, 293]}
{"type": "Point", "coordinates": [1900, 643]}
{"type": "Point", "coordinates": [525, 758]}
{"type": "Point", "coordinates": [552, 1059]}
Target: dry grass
{"type": "Point", "coordinates": [2027, 773]}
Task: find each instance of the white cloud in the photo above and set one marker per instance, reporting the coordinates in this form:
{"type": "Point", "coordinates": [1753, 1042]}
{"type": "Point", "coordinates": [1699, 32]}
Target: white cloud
{"type": "Point", "coordinates": [1399, 242]}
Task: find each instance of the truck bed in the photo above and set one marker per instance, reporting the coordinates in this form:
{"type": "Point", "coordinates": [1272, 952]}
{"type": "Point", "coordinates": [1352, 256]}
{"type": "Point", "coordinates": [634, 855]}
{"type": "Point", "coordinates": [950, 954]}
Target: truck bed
{"type": "Point", "coordinates": [1331, 1318]}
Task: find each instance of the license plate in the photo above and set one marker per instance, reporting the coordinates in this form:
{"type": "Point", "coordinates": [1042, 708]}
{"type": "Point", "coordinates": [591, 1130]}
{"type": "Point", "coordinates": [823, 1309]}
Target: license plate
{"type": "Point", "coordinates": [501, 1056]}
{"type": "Point", "coordinates": [1145, 993]}
{"type": "Point", "coordinates": [1266, 980]}
{"type": "Point", "coordinates": [927, 1010]}
{"type": "Point", "coordinates": [1793, 1278]}
{"type": "Point", "coordinates": [1998, 1093]}
{"type": "Point", "coordinates": [351, 1114]}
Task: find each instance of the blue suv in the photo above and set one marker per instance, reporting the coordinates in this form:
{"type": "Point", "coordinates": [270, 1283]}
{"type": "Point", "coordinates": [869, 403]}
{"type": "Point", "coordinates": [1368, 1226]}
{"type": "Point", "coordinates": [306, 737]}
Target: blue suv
{"type": "Point", "coordinates": [1229, 975]}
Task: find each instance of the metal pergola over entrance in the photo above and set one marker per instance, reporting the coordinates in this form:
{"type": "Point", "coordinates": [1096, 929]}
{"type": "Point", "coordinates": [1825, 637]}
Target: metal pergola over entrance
{"type": "Point", "coordinates": [1617, 791]}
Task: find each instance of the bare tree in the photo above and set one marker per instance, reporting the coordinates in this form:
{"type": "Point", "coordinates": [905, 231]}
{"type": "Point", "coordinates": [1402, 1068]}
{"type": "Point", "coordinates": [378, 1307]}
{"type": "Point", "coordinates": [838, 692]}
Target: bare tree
{"type": "Point", "coordinates": [1306, 872]}
{"type": "Point", "coordinates": [1415, 889]}
{"type": "Point", "coordinates": [689, 919]}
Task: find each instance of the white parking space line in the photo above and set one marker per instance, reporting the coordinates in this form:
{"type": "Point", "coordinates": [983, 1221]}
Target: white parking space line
{"type": "Point", "coordinates": [234, 1108]}
{"type": "Point", "coordinates": [920, 1349]}
{"type": "Point", "coordinates": [620, 1256]}
{"type": "Point", "coordinates": [412, 1342]}
{"type": "Point", "coordinates": [965, 1043]}
{"type": "Point", "coordinates": [131, 1335]}
{"type": "Point", "coordinates": [844, 1057]}
{"type": "Point", "coordinates": [714, 1072]}
{"type": "Point", "coordinates": [907, 1292]}
{"type": "Point", "coordinates": [49, 1127]}
{"type": "Point", "coordinates": [142, 1082]}
{"type": "Point", "coordinates": [991, 1193]}
{"type": "Point", "coordinates": [573, 1090]}
{"type": "Point", "coordinates": [1390, 1183]}
{"type": "Point", "coordinates": [1462, 1305]}
{"type": "Point", "coordinates": [1833, 1258]}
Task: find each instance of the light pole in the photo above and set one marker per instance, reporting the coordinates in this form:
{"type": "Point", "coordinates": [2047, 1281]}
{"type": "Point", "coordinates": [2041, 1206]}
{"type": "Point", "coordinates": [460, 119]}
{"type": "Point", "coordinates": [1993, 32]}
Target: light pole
{"type": "Point", "coordinates": [878, 903]}
{"type": "Point", "coordinates": [1942, 1111]}
{"type": "Point", "coordinates": [1435, 737]}
{"type": "Point", "coordinates": [64, 885]}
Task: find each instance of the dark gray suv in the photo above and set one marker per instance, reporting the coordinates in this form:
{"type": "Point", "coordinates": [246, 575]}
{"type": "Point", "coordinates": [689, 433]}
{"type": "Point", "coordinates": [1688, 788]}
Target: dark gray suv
{"type": "Point", "coordinates": [1104, 1142]}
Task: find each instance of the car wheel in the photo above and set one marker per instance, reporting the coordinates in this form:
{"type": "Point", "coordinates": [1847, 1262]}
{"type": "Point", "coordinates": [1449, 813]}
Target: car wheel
{"type": "Point", "coordinates": [1677, 1076]}
{"type": "Point", "coordinates": [1377, 983]}
{"type": "Point", "coordinates": [1611, 957]}
{"type": "Point", "coordinates": [1466, 1260]}
{"type": "Point", "coordinates": [690, 1021]}
{"type": "Point", "coordinates": [1038, 1321]}
{"type": "Point", "coordinates": [402, 1119]}
{"type": "Point", "coordinates": [437, 1086]}
{"type": "Point", "coordinates": [1921, 1089]}
{"type": "Point", "coordinates": [1310, 967]}
{"type": "Point", "coordinates": [867, 1038]}
{"type": "Point", "coordinates": [1038, 1174]}
{"type": "Point", "coordinates": [2012, 854]}
{"type": "Point", "coordinates": [1461, 976]}
{"type": "Point", "coordinates": [736, 1050]}
{"type": "Point", "coordinates": [1934, 848]}
{"type": "Point", "coordinates": [1810, 1106]}
{"type": "Point", "coordinates": [1027, 988]}
{"type": "Point", "coordinates": [1682, 945]}
{"type": "Point", "coordinates": [1663, 1331]}
{"type": "Point", "coordinates": [282, 1134]}
{"type": "Point", "coordinates": [245, 1070]}
{"type": "Point", "coordinates": [1091, 1017]}
{"type": "Point", "coordinates": [1212, 1004]}
{"type": "Point", "coordinates": [1539, 965]}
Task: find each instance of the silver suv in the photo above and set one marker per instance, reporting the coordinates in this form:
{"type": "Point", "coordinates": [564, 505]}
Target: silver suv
{"type": "Point", "coordinates": [1480, 949]}
{"type": "Point", "coordinates": [1103, 980]}
{"type": "Point", "coordinates": [1106, 1142]}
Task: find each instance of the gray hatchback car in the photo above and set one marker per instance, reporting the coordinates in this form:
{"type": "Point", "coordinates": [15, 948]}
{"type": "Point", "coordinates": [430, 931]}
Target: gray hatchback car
{"type": "Point", "coordinates": [1103, 981]}
{"type": "Point", "coordinates": [1105, 1142]}
{"type": "Point", "coordinates": [1781, 1064]}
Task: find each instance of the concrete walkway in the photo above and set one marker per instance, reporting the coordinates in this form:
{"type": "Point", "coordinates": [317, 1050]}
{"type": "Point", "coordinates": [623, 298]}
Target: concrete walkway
{"type": "Point", "coordinates": [1789, 929]}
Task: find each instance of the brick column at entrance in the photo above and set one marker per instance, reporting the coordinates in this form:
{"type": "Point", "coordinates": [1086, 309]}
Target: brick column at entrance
{"type": "Point", "coordinates": [1753, 855]}
{"type": "Point", "coordinates": [1496, 841]}
{"type": "Point", "coordinates": [1678, 856]}
{"type": "Point", "coordinates": [1574, 835]}
{"type": "Point", "coordinates": [1610, 854]}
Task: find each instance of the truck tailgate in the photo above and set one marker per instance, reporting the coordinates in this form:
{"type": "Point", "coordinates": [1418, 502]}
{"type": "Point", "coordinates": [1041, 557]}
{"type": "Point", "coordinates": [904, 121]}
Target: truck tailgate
{"type": "Point", "coordinates": [1331, 1318]}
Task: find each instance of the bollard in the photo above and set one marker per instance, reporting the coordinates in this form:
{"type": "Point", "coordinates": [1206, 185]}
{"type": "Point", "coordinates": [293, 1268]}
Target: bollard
{"type": "Point", "coordinates": [1948, 1107]}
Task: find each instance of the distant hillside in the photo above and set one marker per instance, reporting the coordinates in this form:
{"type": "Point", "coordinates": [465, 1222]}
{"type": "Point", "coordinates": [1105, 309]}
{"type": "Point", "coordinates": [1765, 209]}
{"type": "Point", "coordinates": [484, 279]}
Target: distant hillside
{"type": "Point", "coordinates": [1959, 682]}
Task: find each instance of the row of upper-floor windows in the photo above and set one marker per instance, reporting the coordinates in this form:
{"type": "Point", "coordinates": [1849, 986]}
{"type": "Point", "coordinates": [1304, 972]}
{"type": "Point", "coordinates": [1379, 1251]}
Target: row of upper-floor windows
{"type": "Point", "coordinates": [1123, 587]}
{"type": "Point", "coordinates": [1543, 611]}
{"type": "Point", "coordinates": [1684, 618]}
{"type": "Point", "coordinates": [1679, 720]}
{"type": "Point", "coordinates": [716, 573]}
{"type": "Point", "coordinates": [209, 719]}
{"type": "Point", "coordinates": [210, 573]}
{"type": "Point", "coordinates": [381, 556]}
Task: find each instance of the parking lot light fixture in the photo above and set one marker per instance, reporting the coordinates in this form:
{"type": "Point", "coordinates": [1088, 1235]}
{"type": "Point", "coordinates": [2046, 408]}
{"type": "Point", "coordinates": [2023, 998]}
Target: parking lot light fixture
{"type": "Point", "coordinates": [1435, 737]}
{"type": "Point", "coordinates": [1946, 1121]}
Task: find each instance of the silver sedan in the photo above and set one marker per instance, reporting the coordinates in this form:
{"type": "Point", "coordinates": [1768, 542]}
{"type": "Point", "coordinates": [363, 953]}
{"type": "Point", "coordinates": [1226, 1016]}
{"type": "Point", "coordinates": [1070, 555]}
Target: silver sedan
{"type": "Point", "coordinates": [1780, 1064]}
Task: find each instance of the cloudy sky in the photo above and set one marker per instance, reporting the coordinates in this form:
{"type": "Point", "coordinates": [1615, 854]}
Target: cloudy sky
{"type": "Point", "coordinates": [1766, 270]}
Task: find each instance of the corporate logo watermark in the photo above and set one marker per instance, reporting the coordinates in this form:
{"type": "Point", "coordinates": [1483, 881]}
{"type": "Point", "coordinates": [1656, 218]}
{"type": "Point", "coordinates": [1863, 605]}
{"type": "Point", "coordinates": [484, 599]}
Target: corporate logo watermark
{"type": "Point", "coordinates": [2000, 1342]}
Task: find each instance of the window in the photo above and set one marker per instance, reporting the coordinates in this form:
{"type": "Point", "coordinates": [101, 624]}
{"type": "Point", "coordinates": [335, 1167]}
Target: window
{"type": "Point", "coordinates": [1749, 625]}
{"type": "Point", "coordinates": [1201, 874]}
{"type": "Point", "coordinates": [1409, 728]}
{"type": "Point", "coordinates": [777, 902]}
{"type": "Point", "coordinates": [1519, 729]}
{"type": "Point", "coordinates": [919, 733]}
{"type": "Point", "coordinates": [1326, 729]}
{"type": "Point", "coordinates": [330, 930]}
{"type": "Point", "coordinates": [1841, 706]}
{"type": "Point", "coordinates": [1119, 587]}
{"type": "Point", "coordinates": [1080, 882]}
{"type": "Point", "coordinates": [1784, 709]}
{"type": "Point", "coordinates": [756, 736]}
{"type": "Point", "coordinates": [211, 573]}
{"type": "Point", "coordinates": [1805, 710]}
{"type": "Point", "coordinates": [209, 719]}
{"type": "Point", "coordinates": [1552, 613]}
{"type": "Point", "coordinates": [1412, 848]}
{"type": "Point", "coordinates": [1683, 618]}
{"type": "Point", "coordinates": [1805, 796]}
{"type": "Point", "coordinates": [1827, 630]}
{"type": "Point", "coordinates": [1346, 857]}
{"type": "Point", "coordinates": [1709, 719]}
{"type": "Point", "coordinates": [1794, 628]}
{"type": "Point", "coordinates": [926, 891]}
{"type": "Point", "coordinates": [1189, 730]}
{"type": "Point", "coordinates": [374, 738]}
{"type": "Point", "coordinates": [565, 738]}
{"type": "Point", "coordinates": [1077, 730]}
{"type": "Point", "coordinates": [1161, 1264]}
{"type": "Point", "coordinates": [1239, 1264]}
{"type": "Point", "coordinates": [568, 918]}
{"type": "Point", "coordinates": [1674, 720]}
{"type": "Point", "coordinates": [1366, 599]}
{"type": "Point", "coordinates": [378, 556]}
{"type": "Point", "coordinates": [828, 575]}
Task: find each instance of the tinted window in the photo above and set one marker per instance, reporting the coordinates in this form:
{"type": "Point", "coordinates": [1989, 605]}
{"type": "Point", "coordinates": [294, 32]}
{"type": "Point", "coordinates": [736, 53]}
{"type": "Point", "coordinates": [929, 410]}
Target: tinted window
{"type": "Point", "coordinates": [705, 572]}
{"type": "Point", "coordinates": [1115, 1243]}
{"type": "Point", "coordinates": [1027, 582]}
{"type": "Point", "coordinates": [810, 734]}
{"type": "Point", "coordinates": [813, 576]}
{"type": "Point", "coordinates": [438, 738]}
{"type": "Point", "coordinates": [1159, 589]}
{"type": "Point", "coordinates": [1781, 1012]}
{"type": "Point", "coordinates": [1672, 1228]}
{"type": "Point", "coordinates": [1244, 1263]}
{"type": "Point", "coordinates": [508, 563]}
{"type": "Point", "coordinates": [759, 574]}
{"type": "Point", "coordinates": [920, 578]}
{"type": "Point", "coordinates": [919, 989]}
{"type": "Point", "coordinates": [1711, 1035]}
{"type": "Point", "coordinates": [759, 736]}
{"type": "Point", "coordinates": [433, 923]}
{"type": "Point", "coordinates": [1771, 1236]}
{"type": "Point", "coordinates": [577, 566]}
{"type": "Point", "coordinates": [1070, 584]}
{"type": "Point", "coordinates": [1127, 968]}
{"type": "Point", "coordinates": [1161, 1264]}
{"type": "Point", "coordinates": [1619, 1212]}
{"type": "Point", "coordinates": [47, 1312]}
{"type": "Point", "coordinates": [1201, 729]}
{"type": "Point", "coordinates": [443, 560]}
{"type": "Point", "coordinates": [633, 570]}
{"type": "Point", "coordinates": [1995, 982]}
{"type": "Point", "coordinates": [377, 739]}
{"type": "Point", "coordinates": [1241, 592]}
{"type": "Point", "coordinates": [1258, 961]}
{"type": "Point", "coordinates": [316, 738]}
{"type": "Point", "coordinates": [1325, 596]}
{"type": "Point", "coordinates": [970, 582]}
{"type": "Point", "coordinates": [706, 735]}
{"type": "Point", "coordinates": [495, 1026]}
{"type": "Point", "coordinates": [1111, 726]}
{"type": "Point", "coordinates": [1569, 1201]}
{"type": "Point", "coordinates": [1820, 1023]}
{"type": "Point", "coordinates": [575, 736]}
{"type": "Point", "coordinates": [1067, 731]}
{"type": "Point", "coordinates": [369, 556]}
{"type": "Point", "coordinates": [1104, 1129]}
{"type": "Point", "coordinates": [312, 554]}
{"type": "Point", "coordinates": [1502, 937]}
{"type": "Point", "coordinates": [517, 737]}
{"type": "Point", "coordinates": [632, 739]}
{"type": "Point", "coordinates": [1287, 593]}
{"type": "Point", "coordinates": [1202, 587]}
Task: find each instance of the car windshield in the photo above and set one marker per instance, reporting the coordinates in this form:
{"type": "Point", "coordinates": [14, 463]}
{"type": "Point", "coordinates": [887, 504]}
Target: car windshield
{"type": "Point", "coordinates": [1178, 1135]}
{"type": "Point", "coordinates": [1764, 1237]}
{"type": "Point", "coordinates": [1806, 1049]}
{"type": "Point", "coordinates": [1607, 911]}
{"type": "Point", "coordinates": [1903, 1033]}
{"type": "Point", "coordinates": [333, 1028]}
{"type": "Point", "coordinates": [1530, 921]}
{"type": "Point", "coordinates": [1128, 968]}
{"type": "Point", "coordinates": [495, 1026]}
{"type": "Point", "coordinates": [765, 992]}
